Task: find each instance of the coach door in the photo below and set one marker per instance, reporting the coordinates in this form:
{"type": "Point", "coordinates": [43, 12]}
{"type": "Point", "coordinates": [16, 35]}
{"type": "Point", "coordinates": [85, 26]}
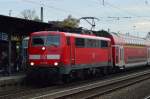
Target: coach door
{"type": "Point", "coordinates": [120, 56]}
{"type": "Point", "coordinates": [148, 56]}
{"type": "Point", "coordinates": [72, 50]}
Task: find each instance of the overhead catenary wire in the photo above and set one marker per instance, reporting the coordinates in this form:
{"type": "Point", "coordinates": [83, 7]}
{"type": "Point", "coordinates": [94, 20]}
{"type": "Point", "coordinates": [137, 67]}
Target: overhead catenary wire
{"type": "Point", "coordinates": [127, 12]}
{"type": "Point", "coordinates": [51, 7]}
{"type": "Point", "coordinates": [124, 14]}
{"type": "Point", "coordinates": [60, 9]}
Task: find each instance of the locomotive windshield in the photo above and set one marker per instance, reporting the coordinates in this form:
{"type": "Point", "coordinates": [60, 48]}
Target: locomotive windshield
{"type": "Point", "coordinates": [51, 40]}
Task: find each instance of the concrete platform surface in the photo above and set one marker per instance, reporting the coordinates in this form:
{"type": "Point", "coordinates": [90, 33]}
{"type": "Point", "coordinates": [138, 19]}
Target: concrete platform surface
{"type": "Point", "coordinates": [10, 80]}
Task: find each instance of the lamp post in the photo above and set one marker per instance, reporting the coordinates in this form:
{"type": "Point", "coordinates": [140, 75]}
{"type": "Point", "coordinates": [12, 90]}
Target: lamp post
{"type": "Point", "coordinates": [10, 11]}
{"type": "Point", "coordinates": [41, 11]}
{"type": "Point", "coordinates": [41, 14]}
{"type": "Point", "coordinates": [103, 2]}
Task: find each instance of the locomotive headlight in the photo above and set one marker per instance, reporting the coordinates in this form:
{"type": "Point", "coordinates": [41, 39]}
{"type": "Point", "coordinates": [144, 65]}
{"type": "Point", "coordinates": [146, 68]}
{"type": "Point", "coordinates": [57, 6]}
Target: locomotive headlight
{"type": "Point", "coordinates": [56, 63]}
{"type": "Point", "coordinates": [32, 63]}
{"type": "Point", "coordinates": [43, 48]}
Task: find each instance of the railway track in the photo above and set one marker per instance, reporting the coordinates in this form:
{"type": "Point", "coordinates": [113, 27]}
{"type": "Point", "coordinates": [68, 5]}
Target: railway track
{"type": "Point", "coordinates": [83, 89]}
{"type": "Point", "coordinates": [23, 91]}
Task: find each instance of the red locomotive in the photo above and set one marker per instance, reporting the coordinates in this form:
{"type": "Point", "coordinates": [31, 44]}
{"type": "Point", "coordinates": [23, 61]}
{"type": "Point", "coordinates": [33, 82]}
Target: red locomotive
{"type": "Point", "coordinates": [70, 54]}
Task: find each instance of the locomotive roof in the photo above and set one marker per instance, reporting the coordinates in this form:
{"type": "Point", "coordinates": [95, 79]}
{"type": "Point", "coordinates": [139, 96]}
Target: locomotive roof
{"type": "Point", "coordinates": [86, 36]}
{"type": "Point", "coordinates": [72, 34]}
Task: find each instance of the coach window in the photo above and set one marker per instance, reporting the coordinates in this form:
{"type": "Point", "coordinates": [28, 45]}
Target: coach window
{"type": "Point", "coordinates": [104, 44]}
{"type": "Point", "coordinates": [89, 43]}
{"type": "Point", "coordinates": [80, 42]}
{"type": "Point", "coordinates": [99, 44]}
{"type": "Point", "coordinates": [94, 43]}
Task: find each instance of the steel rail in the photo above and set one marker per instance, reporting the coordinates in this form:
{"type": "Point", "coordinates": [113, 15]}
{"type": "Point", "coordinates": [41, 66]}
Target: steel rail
{"type": "Point", "coordinates": [25, 91]}
{"type": "Point", "coordinates": [94, 89]}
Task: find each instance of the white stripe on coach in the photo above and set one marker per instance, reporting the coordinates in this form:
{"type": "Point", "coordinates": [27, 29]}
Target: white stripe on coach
{"type": "Point", "coordinates": [53, 56]}
{"type": "Point", "coordinates": [34, 56]}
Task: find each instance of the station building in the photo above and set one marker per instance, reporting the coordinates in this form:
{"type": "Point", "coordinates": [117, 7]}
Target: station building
{"type": "Point", "coordinates": [12, 31]}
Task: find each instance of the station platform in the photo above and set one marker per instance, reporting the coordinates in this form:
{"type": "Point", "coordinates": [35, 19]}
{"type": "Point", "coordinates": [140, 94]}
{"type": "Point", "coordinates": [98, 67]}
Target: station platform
{"type": "Point", "coordinates": [11, 80]}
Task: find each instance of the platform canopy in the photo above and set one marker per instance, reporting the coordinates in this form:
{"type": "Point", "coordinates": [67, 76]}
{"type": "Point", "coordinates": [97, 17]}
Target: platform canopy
{"type": "Point", "coordinates": [13, 26]}
{"type": "Point", "coordinates": [21, 26]}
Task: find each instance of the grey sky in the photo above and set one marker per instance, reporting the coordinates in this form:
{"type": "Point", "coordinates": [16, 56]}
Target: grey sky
{"type": "Point", "coordinates": [118, 15]}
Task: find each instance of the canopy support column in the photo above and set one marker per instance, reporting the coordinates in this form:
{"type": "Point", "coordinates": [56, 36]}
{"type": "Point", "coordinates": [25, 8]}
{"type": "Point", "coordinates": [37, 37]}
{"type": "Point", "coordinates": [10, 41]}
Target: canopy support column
{"type": "Point", "coordinates": [9, 53]}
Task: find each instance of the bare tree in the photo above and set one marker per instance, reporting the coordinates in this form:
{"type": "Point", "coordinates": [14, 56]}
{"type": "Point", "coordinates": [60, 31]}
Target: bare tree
{"type": "Point", "coordinates": [30, 15]}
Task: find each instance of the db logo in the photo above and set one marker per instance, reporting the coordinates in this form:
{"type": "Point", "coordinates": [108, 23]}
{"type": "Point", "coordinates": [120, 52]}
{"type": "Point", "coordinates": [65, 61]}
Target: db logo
{"type": "Point", "coordinates": [43, 56]}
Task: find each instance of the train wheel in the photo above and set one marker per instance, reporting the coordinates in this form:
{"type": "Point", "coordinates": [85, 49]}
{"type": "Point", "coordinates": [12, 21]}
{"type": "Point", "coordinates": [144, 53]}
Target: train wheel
{"type": "Point", "coordinates": [67, 78]}
{"type": "Point", "coordinates": [104, 70]}
{"type": "Point", "coordinates": [117, 69]}
{"type": "Point", "coordinates": [98, 72]}
{"type": "Point", "coordinates": [110, 70]}
{"type": "Point", "coordinates": [81, 74]}
{"type": "Point", "coordinates": [86, 73]}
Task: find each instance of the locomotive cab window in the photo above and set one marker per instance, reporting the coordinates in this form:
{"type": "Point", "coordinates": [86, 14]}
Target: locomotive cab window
{"type": "Point", "coordinates": [53, 40]}
{"type": "Point", "coordinates": [46, 40]}
{"type": "Point", "coordinates": [38, 40]}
